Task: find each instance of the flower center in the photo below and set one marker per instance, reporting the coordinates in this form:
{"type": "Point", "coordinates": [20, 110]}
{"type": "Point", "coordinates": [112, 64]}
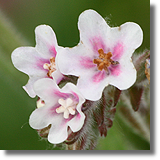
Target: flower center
{"type": "Point", "coordinates": [104, 60]}
{"type": "Point", "coordinates": [67, 107]}
{"type": "Point", "coordinates": [50, 67]}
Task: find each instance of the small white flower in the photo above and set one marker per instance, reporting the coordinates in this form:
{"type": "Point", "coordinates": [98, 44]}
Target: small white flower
{"type": "Point", "coordinates": [39, 61]}
{"type": "Point", "coordinates": [103, 55]}
{"type": "Point", "coordinates": [62, 109]}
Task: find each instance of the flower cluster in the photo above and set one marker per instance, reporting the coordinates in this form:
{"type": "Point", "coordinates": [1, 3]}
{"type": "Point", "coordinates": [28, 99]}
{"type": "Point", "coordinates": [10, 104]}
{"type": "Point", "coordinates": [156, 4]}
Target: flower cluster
{"type": "Point", "coordinates": [102, 57]}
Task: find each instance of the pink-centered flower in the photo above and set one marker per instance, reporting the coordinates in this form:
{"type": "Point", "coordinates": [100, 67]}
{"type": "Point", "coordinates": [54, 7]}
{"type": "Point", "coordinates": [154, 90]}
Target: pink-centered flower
{"type": "Point", "coordinates": [103, 55]}
{"type": "Point", "coordinates": [60, 108]}
{"type": "Point", "coordinates": [39, 61]}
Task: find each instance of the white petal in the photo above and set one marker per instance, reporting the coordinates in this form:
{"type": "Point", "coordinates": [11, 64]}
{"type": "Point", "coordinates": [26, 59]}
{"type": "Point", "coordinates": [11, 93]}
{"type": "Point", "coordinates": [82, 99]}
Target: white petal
{"type": "Point", "coordinates": [77, 122]}
{"type": "Point", "coordinates": [57, 75]}
{"type": "Point", "coordinates": [129, 34]}
{"type": "Point", "coordinates": [40, 118]}
{"type": "Point", "coordinates": [133, 34]}
{"type": "Point", "coordinates": [46, 41]}
{"type": "Point", "coordinates": [93, 30]}
{"type": "Point", "coordinates": [58, 132]}
{"type": "Point", "coordinates": [90, 88]}
{"type": "Point", "coordinates": [28, 60]}
{"type": "Point", "coordinates": [47, 90]}
{"type": "Point", "coordinates": [75, 61]}
{"type": "Point", "coordinates": [71, 89]}
{"type": "Point", "coordinates": [29, 86]}
{"type": "Point", "coordinates": [126, 78]}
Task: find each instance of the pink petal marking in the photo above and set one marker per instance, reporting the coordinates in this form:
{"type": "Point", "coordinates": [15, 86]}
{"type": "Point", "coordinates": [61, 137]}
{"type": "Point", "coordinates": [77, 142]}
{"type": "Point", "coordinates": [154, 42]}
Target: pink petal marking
{"type": "Point", "coordinates": [86, 62]}
{"type": "Point", "coordinates": [53, 113]}
{"type": "Point", "coordinates": [61, 95]}
{"type": "Point", "coordinates": [52, 110]}
{"type": "Point", "coordinates": [53, 51]}
{"type": "Point", "coordinates": [75, 97]}
{"type": "Point", "coordinates": [115, 70]}
{"type": "Point", "coordinates": [99, 76]}
{"type": "Point", "coordinates": [97, 44]}
{"type": "Point", "coordinates": [41, 62]}
{"type": "Point", "coordinates": [117, 51]}
{"type": "Point", "coordinates": [78, 116]}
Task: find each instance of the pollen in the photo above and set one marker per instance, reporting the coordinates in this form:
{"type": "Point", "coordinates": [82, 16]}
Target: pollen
{"type": "Point", "coordinates": [104, 60]}
{"type": "Point", "coordinates": [50, 67]}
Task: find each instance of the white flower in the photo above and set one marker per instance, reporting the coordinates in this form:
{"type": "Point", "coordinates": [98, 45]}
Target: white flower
{"type": "Point", "coordinates": [62, 109]}
{"type": "Point", "coordinates": [103, 55]}
{"type": "Point", "coordinates": [39, 61]}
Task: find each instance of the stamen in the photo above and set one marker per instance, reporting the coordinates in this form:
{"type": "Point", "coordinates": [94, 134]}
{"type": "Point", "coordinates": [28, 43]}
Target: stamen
{"type": "Point", "coordinates": [67, 107]}
{"type": "Point", "coordinates": [50, 67]}
{"type": "Point", "coordinates": [104, 60]}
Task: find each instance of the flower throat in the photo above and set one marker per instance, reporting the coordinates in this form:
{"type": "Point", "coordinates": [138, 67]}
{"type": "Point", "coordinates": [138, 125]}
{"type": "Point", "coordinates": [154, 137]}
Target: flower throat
{"type": "Point", "coordinates": [104, 60]}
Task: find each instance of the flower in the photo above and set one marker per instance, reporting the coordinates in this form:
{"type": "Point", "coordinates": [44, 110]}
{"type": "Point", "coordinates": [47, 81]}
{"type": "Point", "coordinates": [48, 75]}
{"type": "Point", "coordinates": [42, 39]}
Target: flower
{"type": "Point", "coordinates": [57, 107]}
{"type": "Point", "coordinates": [39, 61]}
{"type": "Point", "coordinates": [103, 55]}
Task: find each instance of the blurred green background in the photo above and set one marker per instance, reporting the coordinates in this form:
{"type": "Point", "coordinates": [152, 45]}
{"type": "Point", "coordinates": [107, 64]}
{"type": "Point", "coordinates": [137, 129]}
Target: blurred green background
{"type": "Point", "coordinates": [18, 20]}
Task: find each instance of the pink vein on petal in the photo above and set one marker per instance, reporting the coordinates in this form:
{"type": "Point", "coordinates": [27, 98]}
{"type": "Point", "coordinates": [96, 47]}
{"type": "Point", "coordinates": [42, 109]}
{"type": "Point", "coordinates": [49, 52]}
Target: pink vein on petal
{"type": "Point", "coordinates": [97, 44]}
{"type": "Point", "coordinates": [78, 116]}
{"type": "Point", "coordinates": [40, 63]}
{"type": "Point", "coordinates": [99, 76]}
{"type": "Point", "coordinates": [87, 62]}
{"type": "Point", "coordinates": [53, 51]}
{"type": "Point", "coordinates": [60, 94]}
{"type": "Point", "coordinates": [115, 70]}
{"type": "Point", "coordinates": [52, 110]}
{"type": "Point", "coordinates": [117, 51]}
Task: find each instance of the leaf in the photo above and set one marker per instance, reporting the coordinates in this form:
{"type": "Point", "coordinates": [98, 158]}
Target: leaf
{"type": "Point", "coordinates": [135, 93]}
